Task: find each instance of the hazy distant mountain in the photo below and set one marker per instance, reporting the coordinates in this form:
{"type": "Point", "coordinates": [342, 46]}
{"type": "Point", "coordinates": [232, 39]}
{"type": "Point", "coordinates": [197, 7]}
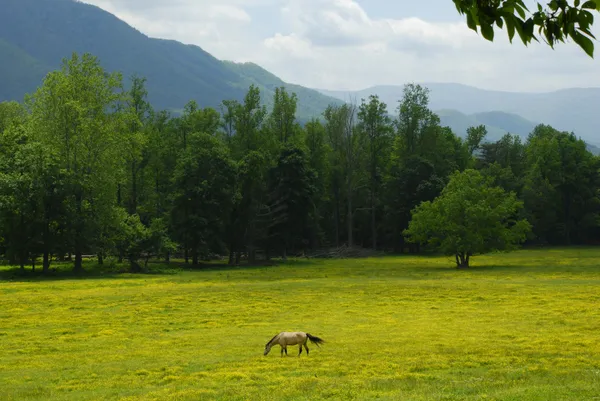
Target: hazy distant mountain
{"type": "Point", "coordinates": [35, 35]}
{"type": "Point", "coordinates": [569, 110]}
{"type": "Point", "coordinates": [311, 103]}
{"type": "Point", "coordinates": [497, 123]}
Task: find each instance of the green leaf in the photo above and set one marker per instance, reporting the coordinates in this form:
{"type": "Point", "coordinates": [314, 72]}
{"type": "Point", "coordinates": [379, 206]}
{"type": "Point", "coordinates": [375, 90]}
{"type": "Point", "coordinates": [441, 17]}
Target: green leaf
{"type": "Point", "coordinates": [587, 32]}
{"type": "Point", "coordinates": [471, 22]}
{"type": "Point", "coordinates": [592, 4]}
{"type": "Point", "coordinates": [510, 28]}
{"type": "Point", "coordinates": [584, 42]}
{"type": "Point", "coordinates": [487, 31]}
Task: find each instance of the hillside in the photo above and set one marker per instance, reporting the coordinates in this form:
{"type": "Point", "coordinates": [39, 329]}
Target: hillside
{"type": "Point", "coordinates": [460, 122]}
{"type": "Point", "coordinates": [311, 103]}
{"type": "Point", "coordinates": [35, 35]}
{"type": "Point", "coordinates": [568, 110]}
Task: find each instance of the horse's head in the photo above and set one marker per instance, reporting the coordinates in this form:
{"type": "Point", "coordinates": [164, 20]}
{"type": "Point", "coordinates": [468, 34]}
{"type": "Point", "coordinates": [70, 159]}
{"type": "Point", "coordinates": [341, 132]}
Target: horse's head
{"type": "Point", "coordinates": [270, 344]}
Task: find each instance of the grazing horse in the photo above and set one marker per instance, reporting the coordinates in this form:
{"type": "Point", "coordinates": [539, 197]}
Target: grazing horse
{"type": "Point", "coordinates": [292, 338]}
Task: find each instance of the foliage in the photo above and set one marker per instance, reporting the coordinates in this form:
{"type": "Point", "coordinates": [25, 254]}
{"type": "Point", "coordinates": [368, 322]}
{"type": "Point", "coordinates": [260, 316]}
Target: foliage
{"type": "Point", "coordinates": [557, 22]}
{"type": "Point", "coordinates": [292, 187]}
{"type": "Point", "coordinates": [204, 178]}
{"type": "Point", "coordinates": [90, 168]}
{"type": "Point", "coordinates": [74, 117]}
{"type": "Point", "coordinates": [470, 217]}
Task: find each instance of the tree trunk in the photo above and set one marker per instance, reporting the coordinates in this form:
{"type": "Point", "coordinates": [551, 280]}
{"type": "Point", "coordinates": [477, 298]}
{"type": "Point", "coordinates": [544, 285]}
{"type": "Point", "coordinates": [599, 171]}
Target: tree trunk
{"type": "Point", "coordinates": [231, 257]}
{"type": "Point", "coordinates": [33, 264]}
{"type": "Point", "coordinates": [134, 266]}
{"type": "Point", "coordinates": [373, 226]}
{"type": "Point", "coordinates": [46, 245]}
{"type": "Point", "coordinates": [195, 257]}
{"type": "Point", "coordinates": [186, 256]}
{"type": "Point", "coordinates": [78, 267]}
{"type": "Point", "coordinates": [350, 216]}
{"type": "Point", "coordinates": [46, 262]}
{"type": "Point", "coordinates": [238, 255]}
{"type": "Point", "coordinates": [337, 217]}
{"type": "Point", "coordinates": [462, 260]}
{"type": "Point", "coordinates": [100, 258]}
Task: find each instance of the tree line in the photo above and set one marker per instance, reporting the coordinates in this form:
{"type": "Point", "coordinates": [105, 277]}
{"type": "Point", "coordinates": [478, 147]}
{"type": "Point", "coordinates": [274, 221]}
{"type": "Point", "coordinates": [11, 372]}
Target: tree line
{"type": "Point", "coordinates": [88, 167]}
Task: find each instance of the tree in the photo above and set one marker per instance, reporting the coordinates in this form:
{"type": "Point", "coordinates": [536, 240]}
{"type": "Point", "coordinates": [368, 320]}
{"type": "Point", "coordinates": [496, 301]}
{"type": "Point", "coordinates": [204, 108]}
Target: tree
{"type": "Point", "coordinates": [75, 117]}
{"type": "Point", "coordinates": [347, 153]}
{"type": "Point", "coordinates": [470, 217]}
{"type": "Point", "coordinates": [291, 188]}
{"type": "Point", "coordinates": [252, 149]}
{"type": "Point", "coordinates": [282, 120]}
{"type": "Point", "coordinates": [556, 22]}
{"type": "Point", "coordinates": [422, 157]}
{"type": "Point", "coordinates": [135, 142]}
{"type": "Point", "coordinates": [318, 159]}
{"type": "Point", "coordinates": [376, 125]}
{"type": "Point", "coordinates": [474, 137]}
{"type": "Point", "coordinates": [560, 186]}
{"type": "Point", "coordinates": [204, 179]}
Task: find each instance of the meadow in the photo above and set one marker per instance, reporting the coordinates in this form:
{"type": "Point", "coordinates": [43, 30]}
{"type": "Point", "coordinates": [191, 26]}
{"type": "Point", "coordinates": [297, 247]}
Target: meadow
{"type": "Point", "coordinates": [519, 326]}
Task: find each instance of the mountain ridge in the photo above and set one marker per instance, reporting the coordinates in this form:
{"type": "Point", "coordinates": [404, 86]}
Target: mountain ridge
{"type": "Point", "coordinates": [568, 109]}
{"type": "Point", "coordinates": [36, 35]}
{"type": "Point", "coordinates": [45, 33]}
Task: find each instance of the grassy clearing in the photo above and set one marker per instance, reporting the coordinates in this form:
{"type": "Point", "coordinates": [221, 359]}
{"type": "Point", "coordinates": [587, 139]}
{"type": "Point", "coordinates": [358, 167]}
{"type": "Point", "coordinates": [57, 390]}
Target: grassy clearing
{"type": "Point", "coordinates": [523, 326]}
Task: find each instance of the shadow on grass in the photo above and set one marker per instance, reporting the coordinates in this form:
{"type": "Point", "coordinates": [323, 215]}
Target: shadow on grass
{"type": "Point", "coordinates": [64, 271]}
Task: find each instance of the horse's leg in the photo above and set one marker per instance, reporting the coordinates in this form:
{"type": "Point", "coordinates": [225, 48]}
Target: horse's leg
{"type": "Point", "coordinates": [299, 349]}
{"type": "Point", "coordinates": [306, 347]}
{"type": "Point", "coordinates": [285, 350]}
{"type": "Point", "coordinates": [282, 351]}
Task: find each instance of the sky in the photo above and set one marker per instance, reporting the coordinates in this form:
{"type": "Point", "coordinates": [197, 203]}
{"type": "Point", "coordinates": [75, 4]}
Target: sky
{"type": "Point", "coordinates": [355, 44]}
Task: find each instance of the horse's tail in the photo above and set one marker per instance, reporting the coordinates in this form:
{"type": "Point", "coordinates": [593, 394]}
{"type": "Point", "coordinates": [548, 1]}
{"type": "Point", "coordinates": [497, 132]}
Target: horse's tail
{"type": "Point", "coordinates": [315, 340]}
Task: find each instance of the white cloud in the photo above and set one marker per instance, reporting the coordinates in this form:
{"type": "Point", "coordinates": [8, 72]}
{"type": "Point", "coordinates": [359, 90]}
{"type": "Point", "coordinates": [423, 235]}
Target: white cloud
{"type": "Point", "coordinates": [336, 44]}
{"type": "Point", "coordinates": [229, 12]}
{"type": "Point", "coordinates": [353, 51]}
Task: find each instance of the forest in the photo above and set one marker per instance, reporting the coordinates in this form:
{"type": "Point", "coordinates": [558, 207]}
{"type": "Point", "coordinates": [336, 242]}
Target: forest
{"type": "Point", "coordinates": [89, 168]}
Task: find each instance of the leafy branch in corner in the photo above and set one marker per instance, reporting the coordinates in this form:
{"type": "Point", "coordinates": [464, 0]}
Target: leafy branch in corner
{"type": "Point", "coordinates": [556, 22]}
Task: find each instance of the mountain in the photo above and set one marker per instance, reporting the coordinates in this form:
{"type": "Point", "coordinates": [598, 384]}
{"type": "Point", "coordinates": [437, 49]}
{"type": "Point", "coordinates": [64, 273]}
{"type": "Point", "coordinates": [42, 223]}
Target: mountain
{"type": "Point", "coordinates": [311, 103]}
{"type": "Point", "coordinates": [497, 123]}
{"type": "Point", "coordinates": [35, 35]}
{"type": "Point", "coordinates": [572, 110]}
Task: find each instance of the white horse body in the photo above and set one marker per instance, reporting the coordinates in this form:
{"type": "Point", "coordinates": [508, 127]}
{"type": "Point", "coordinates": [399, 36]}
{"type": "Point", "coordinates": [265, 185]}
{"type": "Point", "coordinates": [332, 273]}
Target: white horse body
{"type": "Point", "coordinates": [286, 338]}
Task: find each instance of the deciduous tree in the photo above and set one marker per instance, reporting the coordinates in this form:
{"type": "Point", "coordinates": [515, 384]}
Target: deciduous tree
{"type": "Point", "coordinates": [470, 217]}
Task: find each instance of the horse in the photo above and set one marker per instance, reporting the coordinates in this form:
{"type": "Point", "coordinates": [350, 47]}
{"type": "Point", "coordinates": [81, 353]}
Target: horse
{"type": "Point", "coordinates": [286, 338]}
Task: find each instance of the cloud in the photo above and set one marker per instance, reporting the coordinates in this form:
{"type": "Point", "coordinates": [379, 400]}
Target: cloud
{"type": "Point", "coordinates": [353, 51]}
{"type": "Point", "coordinates": [337, 44]}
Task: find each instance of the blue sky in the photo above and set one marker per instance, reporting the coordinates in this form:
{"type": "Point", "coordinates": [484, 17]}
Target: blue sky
{"type": "Point", "coordinates": [354, 44]}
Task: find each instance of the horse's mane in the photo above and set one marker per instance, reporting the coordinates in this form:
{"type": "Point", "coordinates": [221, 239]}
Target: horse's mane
{"type": "Point", "coordinates": [269, 342]}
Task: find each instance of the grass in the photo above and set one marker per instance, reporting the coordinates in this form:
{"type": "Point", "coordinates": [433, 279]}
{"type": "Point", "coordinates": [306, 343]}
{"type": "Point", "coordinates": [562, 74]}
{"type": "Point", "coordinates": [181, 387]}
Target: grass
{"type": "Point", "coordinates": [522, 326]}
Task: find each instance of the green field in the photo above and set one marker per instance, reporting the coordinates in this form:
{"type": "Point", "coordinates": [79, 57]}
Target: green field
{"type": "Point", "coordinates": [521, 326]}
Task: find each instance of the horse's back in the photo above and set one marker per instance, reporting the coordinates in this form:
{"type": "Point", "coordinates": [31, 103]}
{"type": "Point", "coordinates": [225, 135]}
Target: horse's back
{"type": "Point", "coordinates": [293, 337]}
